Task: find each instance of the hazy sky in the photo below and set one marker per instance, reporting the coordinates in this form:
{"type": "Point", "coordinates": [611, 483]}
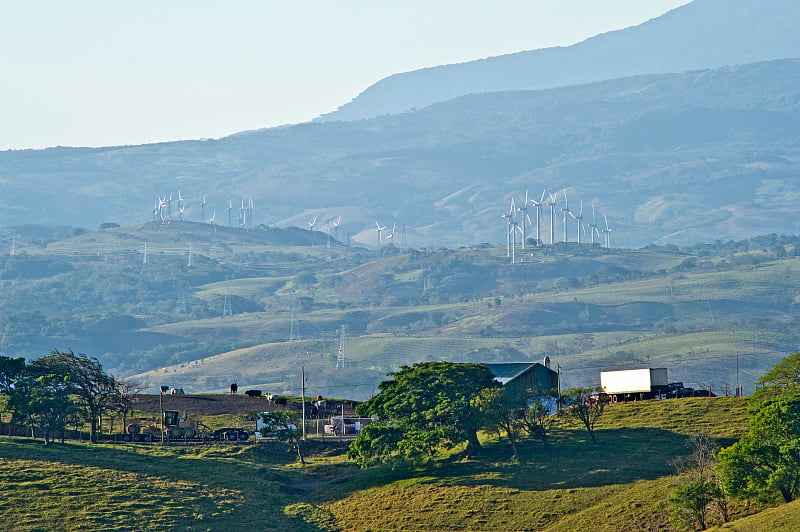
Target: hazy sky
{"type": "Point", "coordinates": [94, 73]}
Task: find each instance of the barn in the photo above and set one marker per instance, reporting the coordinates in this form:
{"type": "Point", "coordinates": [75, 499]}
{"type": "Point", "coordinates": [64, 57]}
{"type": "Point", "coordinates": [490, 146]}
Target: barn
{"type": "Point", "coordinates": [518, 378]}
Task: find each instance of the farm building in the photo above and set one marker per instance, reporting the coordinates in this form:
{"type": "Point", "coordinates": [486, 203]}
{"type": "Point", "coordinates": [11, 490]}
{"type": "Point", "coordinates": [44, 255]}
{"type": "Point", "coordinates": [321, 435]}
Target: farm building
{"type": "Point", "coordinates": [518, 378]}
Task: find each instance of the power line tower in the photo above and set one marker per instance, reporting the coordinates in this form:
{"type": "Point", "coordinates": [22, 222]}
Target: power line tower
{"type": "Point", "coordinates": [227, 308]}
{"type": "Point", "coordinates": [341, 358]}
{"type": "Point", "coordinates": [294, 326]}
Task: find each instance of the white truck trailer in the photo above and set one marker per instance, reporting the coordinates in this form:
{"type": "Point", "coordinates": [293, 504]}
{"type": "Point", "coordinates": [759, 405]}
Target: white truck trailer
{"type": "Point", "coordinates": [632, 384]}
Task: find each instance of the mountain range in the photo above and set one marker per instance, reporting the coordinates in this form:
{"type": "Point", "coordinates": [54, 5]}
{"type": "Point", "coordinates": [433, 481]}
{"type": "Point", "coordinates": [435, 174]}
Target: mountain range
{"type": "Point", "coordinates": [702, 34]}
{"type": "Point", "coordinates": [668, 158]}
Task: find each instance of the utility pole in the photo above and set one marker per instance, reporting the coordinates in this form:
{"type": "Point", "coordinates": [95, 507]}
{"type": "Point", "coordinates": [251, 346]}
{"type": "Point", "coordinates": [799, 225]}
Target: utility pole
{"type": "Point", "coordinates": [738, 389]}
{"type": "Point", "coordinates": [303, 393]}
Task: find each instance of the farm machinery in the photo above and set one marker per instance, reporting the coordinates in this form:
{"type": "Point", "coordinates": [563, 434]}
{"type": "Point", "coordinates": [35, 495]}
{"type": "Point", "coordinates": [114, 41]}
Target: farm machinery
{"type": "Point", "coordinates": [176, 429]}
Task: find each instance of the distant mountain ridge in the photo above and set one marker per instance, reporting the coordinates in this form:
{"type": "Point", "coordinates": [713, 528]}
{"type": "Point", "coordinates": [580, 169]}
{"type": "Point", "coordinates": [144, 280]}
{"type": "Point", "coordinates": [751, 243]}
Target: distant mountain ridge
{"type": "Point", "coordinates": [700, 35]}
{"type": "Point", "coordinates": [673, 158]}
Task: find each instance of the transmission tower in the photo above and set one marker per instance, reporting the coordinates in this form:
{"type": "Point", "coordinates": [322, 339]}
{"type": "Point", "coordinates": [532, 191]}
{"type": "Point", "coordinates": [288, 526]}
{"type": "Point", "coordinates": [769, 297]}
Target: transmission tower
{"type": "Point", "coordinates": [341, 358]}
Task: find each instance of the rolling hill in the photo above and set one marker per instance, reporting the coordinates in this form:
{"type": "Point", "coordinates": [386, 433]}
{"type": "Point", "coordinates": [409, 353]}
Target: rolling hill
{"type": "Point", "coordinates": [700, 35]}
{"type": "Point", "coordinates": [675, 158]}
{"type": "Point", "coordinates": [254, 305]}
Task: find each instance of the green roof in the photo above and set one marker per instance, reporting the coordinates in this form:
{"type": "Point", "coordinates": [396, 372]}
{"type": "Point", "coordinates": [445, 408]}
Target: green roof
{"type": "Point", "coordinates": [507, 371]}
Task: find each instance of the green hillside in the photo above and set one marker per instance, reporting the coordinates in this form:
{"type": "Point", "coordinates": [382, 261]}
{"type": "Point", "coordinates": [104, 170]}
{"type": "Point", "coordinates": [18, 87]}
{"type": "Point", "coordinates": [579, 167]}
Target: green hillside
{"type": "Point", "coordinates": [254, 305]}
{"type": "Point", "coordinates": [619, 485]}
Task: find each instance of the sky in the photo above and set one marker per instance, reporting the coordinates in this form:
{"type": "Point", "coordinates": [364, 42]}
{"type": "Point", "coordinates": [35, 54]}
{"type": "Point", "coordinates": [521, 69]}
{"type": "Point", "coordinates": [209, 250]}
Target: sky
{"type": "Point", "coordinates": [103, 73]}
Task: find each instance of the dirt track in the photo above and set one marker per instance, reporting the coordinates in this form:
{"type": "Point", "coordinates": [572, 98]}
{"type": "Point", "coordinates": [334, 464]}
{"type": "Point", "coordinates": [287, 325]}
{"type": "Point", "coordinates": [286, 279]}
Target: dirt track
{"type": "Point", "coordinates": [220, 404]}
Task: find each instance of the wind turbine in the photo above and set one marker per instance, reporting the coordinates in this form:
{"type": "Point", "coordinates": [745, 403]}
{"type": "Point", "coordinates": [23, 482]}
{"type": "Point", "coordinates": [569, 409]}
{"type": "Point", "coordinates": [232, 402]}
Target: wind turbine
{"type": "Point", "coordinates": [311, 225]}
{"type": "Point", "coordinates": [507, 217]}
{"type": "Point", "coordinates": [525, 218]}
{"type": "Point", "coordinates": [335, 227]}
{"type": "Point", "coordinates": [552, 204]}
{"type": "Point", "coordinates": [169, 207]}
{"type": "Point", "coordinates": [251, 209]}
{"type": "Point", "coordinates": [203, 211]}
{"type": "Point", "coordinates": [213, 220]}
{"type": "Point", "coordinates": [593, 227]}
{"type": "Point", "coordinates": [538, 205]}
{"type": "Point", "coordinates": [607, 232]}
{"type": "Point", "coordinates": [180, 206]}
{"type": "Point", "coordinates": [566, 211]}
{"type": "Point", "coordinates": [380, 233]}
{"type": "Point", "coordinates": [180, 213]}
{"type": "Point", "coordinates": [230, 209]}
{"type": "Point", "coordinates": [579, 220]}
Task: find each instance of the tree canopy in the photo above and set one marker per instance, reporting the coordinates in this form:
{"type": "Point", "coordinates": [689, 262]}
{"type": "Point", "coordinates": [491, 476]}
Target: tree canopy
{"type": "Point", "coordinates": [424, 408]}
{"type": "Point", "coordinates": [782, 380]}
{"type": "Point", "coordinates": [767, 460]}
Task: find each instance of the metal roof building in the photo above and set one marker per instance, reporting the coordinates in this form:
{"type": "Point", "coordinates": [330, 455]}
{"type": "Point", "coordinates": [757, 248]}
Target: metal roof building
{"type": "Point", "coordinates": [518, 378]}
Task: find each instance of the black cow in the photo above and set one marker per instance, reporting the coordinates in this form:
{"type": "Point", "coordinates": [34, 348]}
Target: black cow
{"type": "Point", "coordinates": [234, 388]}
{"type": "Point", "coordinates": [253, 393]}
{"type": "Point", "coordinates": [280, 400]}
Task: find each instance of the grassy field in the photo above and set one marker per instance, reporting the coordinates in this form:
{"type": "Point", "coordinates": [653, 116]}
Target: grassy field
{"type": "Point", "coordinates": [621, 484]}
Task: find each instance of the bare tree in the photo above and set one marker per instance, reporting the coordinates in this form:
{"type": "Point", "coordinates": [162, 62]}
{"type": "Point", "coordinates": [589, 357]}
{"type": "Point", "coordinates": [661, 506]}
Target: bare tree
{"type": "Point", "coordinates": [123, 398]}
{"type": "Point", "coordinates": [585, 405]}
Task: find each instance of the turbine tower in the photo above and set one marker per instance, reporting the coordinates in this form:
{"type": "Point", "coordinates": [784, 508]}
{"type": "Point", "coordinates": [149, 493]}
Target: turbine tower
{"type": "Point", "coordinates": [593, 227]}
{"type": "Point", "coordinates": [607, 232]}
{"type": "Point", "coordinates": [203, 211]}
{"type": "Point", "coordinates": [552, 204]}
{"type": "Point", "coordinates": [525, 218]}
{"type": "Point", "coordinates": [538, 205]}
{"type": "Point", "coordinates": [380, 233]}
{"type": "Point", "coordinates": [230, 210]}
{"type": "Point", "coordinates": [565, 210]}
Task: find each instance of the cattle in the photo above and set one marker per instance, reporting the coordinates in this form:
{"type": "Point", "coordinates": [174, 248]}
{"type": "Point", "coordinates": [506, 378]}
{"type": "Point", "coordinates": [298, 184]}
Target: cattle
{"type": "Point", "coordinates": [280, 400]}
{"type": "Point", "coordinates": [234, 388]}
{"type": "Point", "coordinates": [253, 393]}
{"type": "Point", "coordinates": [270, 396]}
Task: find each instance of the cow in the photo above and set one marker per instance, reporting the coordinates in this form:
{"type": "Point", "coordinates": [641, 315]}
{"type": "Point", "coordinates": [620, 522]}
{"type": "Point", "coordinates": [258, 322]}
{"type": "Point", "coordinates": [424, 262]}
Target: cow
{"type": "Point", "coordinates": [253, 393]}
{"type": "Point", "coordinates": [280, 400]}
{"type": "Point", "coordinates": [234, 388]}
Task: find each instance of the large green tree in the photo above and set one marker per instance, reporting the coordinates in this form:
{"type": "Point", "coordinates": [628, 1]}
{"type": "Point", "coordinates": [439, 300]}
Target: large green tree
{"type": "Point", "coordinates": [767, 460]}
{"type": "Point", "coordinates": [424, 408]}
{"type": "Point", "coordinates": [783, 380]}
{"type": "Point", "coordinates": [94, 387]}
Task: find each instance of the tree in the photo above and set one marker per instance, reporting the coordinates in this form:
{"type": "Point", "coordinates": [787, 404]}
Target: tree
{"type": "Point", "coordinates": [43, 400]}
{"type": "Point", "coordinates": [691, 501]}
{"type": "Point", "coordinates": [767, 460]}
{"type": "Point", "coordinates": [281, 425]}
{"type": "Point", "coordinates": [585, 405]}
{"type": "Point", "coordinates": [424, 408]}
{"type": "Point", "coordinates": [11, 369]}
{"type": "Point", "coordinates": [122, 400]}
{"type": "Point", "coordinates": [537, 416]}
{"type": "Point", "coordinates": [89, 382]}
{"type": "Point", "coordinates": [783, 380]}
{"type": "Point", "coordinates": [501, 414]}
{"type": "Point", "coordinates": [702, 490]}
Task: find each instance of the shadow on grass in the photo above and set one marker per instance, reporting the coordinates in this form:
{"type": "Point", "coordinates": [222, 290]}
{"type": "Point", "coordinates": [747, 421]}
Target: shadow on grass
{"type": "Point", "coordinates": [251, 470]}
{"type": "Point", "coordinates": [570, 461]}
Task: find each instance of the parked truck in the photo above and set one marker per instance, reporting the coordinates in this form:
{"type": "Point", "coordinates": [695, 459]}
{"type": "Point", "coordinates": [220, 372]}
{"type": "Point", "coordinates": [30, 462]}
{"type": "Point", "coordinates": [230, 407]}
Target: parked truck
{"type": "Point", "coordinates": [635, 384]}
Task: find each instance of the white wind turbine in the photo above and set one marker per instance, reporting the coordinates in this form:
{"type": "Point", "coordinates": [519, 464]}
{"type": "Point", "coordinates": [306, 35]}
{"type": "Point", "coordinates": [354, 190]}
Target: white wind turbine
{"type": "Point", "coordinates": [380, 233]}
{"type": "Point", "coordinates": [508, 217]}
{"type": "Point", "coordinates": [593, 227]}
{"type": "Point", "coordinates": [565, 210]}
{"type": "Point", "coordinates": [552, 204]}
{"type": "Point", "coordinates": [230, 210]}
{"type": "Point", "coordinates": [525, 218]}
{"type": "Point", "coordinates": [311, 225]}
{"type": "Point", "coordinates": [538, 205]}
{"type": "Point", "coordinates": [203, 211]}
{"type": "Point", "coordinates": [607, 232]}
{"type": "Point", "coordinates": [213, 220]}
{"type": "Point", "coordinates": [579, 220]}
